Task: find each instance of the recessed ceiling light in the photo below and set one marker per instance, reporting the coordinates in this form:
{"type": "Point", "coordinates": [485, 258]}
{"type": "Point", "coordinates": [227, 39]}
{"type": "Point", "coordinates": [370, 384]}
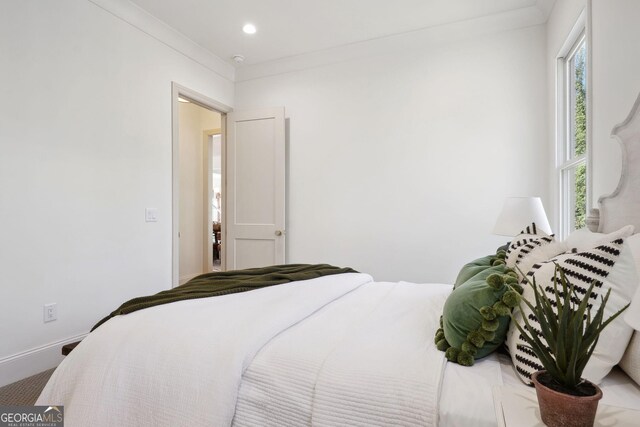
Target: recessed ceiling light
{"type": "Point", "coordinates": [249, 29]}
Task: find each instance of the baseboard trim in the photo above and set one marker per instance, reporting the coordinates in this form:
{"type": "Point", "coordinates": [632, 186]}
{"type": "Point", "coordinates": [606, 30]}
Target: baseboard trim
{"type": "Point", "coordinates": [30, 362]}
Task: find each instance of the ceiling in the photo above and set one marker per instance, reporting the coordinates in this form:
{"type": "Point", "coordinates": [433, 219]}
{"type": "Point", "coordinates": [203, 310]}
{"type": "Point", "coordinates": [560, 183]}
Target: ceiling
{"type": "Point", "coordinates": [287, 28]}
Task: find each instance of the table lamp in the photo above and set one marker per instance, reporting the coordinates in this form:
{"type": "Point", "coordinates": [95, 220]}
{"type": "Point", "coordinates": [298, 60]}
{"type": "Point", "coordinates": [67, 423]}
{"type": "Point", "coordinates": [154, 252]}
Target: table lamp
{"type": "Point", "coordinates": [517, 213]}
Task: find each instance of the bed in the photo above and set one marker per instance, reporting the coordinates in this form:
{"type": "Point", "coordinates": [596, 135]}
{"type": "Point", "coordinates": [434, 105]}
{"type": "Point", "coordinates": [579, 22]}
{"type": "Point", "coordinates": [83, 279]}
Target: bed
{"type": "Point", "coordinates": [329, 351]}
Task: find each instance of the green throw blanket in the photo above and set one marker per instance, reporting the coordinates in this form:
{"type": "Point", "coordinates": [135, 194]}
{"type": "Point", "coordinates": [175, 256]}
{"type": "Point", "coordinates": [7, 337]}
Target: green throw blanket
{"type": "Point", "coordinates": [229, 282]}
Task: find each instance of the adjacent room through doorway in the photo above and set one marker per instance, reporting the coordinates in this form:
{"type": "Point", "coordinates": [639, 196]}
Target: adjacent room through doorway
{"type": "Point", "coordinates": [215, 196]}
{"type": "Point", "coordinates": [200, 190]}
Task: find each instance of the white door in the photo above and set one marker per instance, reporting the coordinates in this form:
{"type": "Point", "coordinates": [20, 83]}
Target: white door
{"type": "Point", "coordinates": [255, 184]}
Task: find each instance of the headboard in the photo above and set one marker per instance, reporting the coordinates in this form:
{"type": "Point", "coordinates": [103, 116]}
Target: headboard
{"type": "Point", "coordinates": [622, 207]}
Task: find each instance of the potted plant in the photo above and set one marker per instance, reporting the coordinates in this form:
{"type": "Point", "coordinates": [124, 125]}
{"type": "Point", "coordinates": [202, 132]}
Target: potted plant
{"type": "Point", "coordinates": [569, 334]}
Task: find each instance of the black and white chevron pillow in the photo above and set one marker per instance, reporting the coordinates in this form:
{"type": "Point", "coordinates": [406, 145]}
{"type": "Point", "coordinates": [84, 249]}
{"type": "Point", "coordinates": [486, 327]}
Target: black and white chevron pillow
{"type": "Point", "coordinates": [525, 243]}
{"type": "Point", "coordinates": [601, 264]}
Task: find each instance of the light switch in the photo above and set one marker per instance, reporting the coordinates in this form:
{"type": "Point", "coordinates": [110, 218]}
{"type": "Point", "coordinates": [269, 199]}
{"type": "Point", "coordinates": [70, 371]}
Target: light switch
{"type": "Point", "coordinates": [151, 214]}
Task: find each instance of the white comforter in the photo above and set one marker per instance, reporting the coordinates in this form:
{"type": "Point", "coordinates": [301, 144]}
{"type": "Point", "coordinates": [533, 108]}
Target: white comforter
{"type": "Point", "coordinates": [337, 350]}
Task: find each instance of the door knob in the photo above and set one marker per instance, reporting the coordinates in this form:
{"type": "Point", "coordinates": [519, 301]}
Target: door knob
{"type": "Point", "coordinates": [278, 232]}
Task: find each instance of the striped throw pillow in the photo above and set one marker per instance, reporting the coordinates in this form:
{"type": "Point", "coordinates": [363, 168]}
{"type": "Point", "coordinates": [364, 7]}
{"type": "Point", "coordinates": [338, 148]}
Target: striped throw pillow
{"type": "Point", "coordinates": [610, 266]}
{"type": "Point", "coordinates": [525, 244]}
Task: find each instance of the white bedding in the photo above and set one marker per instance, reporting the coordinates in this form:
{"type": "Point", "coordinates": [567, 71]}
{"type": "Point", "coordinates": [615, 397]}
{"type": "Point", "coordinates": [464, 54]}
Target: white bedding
{"type": "Point", "coordinates": [466, 399]}
{"type": "Point", "coordinates": [366, 354]}
{"type": "Point", "coordinates": [181, 363]}
{"type": "Point", "coordinates": [365, 360]}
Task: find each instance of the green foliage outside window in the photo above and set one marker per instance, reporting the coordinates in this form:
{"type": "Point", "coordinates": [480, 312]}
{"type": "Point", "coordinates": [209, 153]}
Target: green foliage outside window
{"type": "Point", "coordinates": [580, 148]}
{"type": "Point", "coordinates": [581, 196]}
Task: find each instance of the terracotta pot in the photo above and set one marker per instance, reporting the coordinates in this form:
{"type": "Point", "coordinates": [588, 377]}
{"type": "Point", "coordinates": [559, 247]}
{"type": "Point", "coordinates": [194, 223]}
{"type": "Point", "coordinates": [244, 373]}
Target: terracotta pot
{"type": "Point", "coordinates": [564, 410]}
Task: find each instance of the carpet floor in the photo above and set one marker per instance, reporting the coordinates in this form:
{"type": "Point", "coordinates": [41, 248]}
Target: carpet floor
{"type": "Point", "coordinates": [26, 391]}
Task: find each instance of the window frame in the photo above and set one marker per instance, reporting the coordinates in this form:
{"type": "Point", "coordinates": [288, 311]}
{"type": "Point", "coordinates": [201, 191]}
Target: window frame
{"type": "Point", "coordinates": [566, 161]}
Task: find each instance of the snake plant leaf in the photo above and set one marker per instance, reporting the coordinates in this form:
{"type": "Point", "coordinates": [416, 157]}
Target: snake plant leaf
{"type": "Point", "coordinates": [536, 345]}
{"type": "Point", "coordinates": [569, 330]}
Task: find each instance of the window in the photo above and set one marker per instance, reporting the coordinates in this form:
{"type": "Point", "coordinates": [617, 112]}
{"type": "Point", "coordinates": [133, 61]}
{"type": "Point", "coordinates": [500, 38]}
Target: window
{"type": "Point", "coordinates": [572, 137]}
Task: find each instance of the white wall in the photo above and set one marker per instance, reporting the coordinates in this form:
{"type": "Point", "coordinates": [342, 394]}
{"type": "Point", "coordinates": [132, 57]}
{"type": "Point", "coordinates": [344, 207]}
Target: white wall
{"type": "Point", "coordinates": [194, 120]}
{"type": "Point", "coordinates": [399, 164]}
{"type": "Point", "coordinates": [85, 143]}
{"type": "Point", "coordinates": [616, 82]}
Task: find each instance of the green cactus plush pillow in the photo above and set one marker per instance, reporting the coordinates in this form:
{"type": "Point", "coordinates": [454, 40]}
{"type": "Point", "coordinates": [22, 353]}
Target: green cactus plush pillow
{"type": "Point", "coordinates": [479, 267]}
{"type": "Point", "coordinates": [475, 317]}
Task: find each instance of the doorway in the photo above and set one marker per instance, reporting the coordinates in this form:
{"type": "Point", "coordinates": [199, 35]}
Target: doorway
{"type": "Point", "coordinates": [252, 197]}
{"type": "Point", "coordinates": [198, 196]}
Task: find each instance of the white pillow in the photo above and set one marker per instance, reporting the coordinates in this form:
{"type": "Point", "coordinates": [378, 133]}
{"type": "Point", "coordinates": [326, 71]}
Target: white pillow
{"type": "Point", "coordinates": [612, 265]}
{"type": "Point", "coordinates": [634, 244]}
{"type": "Point", "coordinates": [584, 239]}
{"type": "Point", "coordinates": [630, 362]}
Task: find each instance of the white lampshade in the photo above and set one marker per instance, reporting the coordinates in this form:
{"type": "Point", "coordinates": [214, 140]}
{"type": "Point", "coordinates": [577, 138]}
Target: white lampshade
{"type": "Point", "coordinates": [517, 213]}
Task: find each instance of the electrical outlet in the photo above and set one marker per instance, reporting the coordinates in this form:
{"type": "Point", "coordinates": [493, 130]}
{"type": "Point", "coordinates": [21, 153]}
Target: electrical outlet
{"type": "Point", "coordinates": [50, 312]}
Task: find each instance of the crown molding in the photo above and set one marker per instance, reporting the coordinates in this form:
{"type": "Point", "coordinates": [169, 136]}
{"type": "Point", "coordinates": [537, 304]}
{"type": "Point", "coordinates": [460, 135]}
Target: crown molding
{"type": "Point", "coordinates": [545, 6]}
{"type": "Point", "coordinates": [152, 26]}
{"type": "Point", "coordinates": [413, 40]}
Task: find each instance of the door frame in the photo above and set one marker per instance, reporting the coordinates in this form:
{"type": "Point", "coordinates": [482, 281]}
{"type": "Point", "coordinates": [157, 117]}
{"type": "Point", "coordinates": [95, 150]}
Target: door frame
{"type": "Point", "coordinates": [178, 90]}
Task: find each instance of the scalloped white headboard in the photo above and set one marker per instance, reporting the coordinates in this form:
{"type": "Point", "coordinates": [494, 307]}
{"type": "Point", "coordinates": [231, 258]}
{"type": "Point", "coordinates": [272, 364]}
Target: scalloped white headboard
{"type": "Point", "coordinates": [622, 207]}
